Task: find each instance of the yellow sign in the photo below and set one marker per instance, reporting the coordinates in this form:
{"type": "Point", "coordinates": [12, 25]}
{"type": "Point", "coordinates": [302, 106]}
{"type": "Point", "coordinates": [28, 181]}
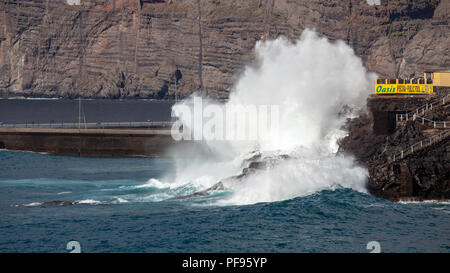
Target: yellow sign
{"type": "Point", "coordinates": [403, 88]}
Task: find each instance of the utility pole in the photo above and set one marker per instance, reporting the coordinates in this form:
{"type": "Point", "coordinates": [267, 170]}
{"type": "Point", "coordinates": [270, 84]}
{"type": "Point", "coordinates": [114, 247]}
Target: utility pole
{"type": "Point", "coordinates": [79, 112]}
{"type": "Point", "coordinates": [176, 90]}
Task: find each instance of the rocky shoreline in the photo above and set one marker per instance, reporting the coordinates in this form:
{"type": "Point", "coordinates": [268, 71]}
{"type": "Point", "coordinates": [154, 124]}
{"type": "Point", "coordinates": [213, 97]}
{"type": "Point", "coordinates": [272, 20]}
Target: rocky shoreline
{"type": "Point", "coordinates": [418, 173]}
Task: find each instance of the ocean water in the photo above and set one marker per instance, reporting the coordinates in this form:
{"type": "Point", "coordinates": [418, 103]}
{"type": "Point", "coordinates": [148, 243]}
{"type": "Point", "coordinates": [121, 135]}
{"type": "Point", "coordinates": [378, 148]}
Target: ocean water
{"type": "Point", "coordinates": [122, 210]}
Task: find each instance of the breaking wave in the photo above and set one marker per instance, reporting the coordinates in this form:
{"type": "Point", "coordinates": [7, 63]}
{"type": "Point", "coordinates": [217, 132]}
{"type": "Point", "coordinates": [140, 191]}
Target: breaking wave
{"type": "Point", "coordinates": [317, 85]}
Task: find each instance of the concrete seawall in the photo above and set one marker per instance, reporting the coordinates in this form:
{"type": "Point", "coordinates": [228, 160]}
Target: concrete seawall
{"type": "Point", "coordinates": [91, 142]}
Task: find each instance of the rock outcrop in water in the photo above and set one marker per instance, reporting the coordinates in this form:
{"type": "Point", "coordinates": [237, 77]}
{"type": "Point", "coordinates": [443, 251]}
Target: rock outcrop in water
{"type": "Point", "coordinates": [151, 48]}
{"type": "Point", "coordinates": [51, 203]}
{"type": "Point", "coordinates": [254, 163]}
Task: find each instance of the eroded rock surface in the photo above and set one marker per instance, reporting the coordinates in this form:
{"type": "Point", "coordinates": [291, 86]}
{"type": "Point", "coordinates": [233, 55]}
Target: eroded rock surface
{"type": "Point", "coordinates": [424, 171]}
{"type": "Point", "coordinates": [153, 48]}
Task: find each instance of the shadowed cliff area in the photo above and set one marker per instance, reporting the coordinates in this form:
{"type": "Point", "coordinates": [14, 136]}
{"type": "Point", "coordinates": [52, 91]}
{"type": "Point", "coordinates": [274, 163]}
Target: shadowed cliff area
{"type": "Point", "coordinates": [155, 48]}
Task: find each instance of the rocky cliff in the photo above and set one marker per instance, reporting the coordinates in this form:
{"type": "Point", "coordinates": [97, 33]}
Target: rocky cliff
{"type": "Point", "coordinates": [419, 176]}
{"type": "Point", "coordinates": [151, 48]}
{"type": "Point", "coordinates": [412, 160]}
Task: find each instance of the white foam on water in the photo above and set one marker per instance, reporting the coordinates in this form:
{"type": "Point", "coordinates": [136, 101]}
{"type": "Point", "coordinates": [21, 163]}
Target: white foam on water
{"type": "Point", "coordinates": [155, 183]}
{"type": "Point", "coordinates": [438, 202]}
{"type": "Point", "coordinates": [120, 200]}
{"type": "Point", "coordinates": [64, 192]}
{"type": "Point", "coordinates": [298, 177]}
{"type": "Point", "coordinates": [33, 204]}
{"type": "Point", "coordinates": [89, 202]}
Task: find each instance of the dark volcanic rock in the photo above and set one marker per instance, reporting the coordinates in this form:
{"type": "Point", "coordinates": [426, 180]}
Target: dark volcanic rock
{"type": "Point", "coordinates": [148, 49]}
{"type": "Point", "coordinates": [361, 141]}
{"type": "Point", "coordinates": [423, 174]}
{"type": "Point", "coordinates": [54, 203]}
{"type": "Point", "coordinates": [60, 203]}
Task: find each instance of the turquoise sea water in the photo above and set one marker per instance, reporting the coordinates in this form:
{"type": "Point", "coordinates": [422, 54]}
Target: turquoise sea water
{"type": "Point", "coordinates": [120, 211]}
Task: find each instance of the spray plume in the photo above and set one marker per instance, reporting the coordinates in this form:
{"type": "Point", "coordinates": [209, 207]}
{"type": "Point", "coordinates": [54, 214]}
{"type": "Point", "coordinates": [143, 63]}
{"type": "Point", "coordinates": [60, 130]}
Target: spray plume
{"type": "Point", "coordinates": [311, 80]}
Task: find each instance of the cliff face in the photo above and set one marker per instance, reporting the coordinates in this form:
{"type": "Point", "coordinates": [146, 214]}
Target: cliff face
{"type": "Point", "coordinates": [150, 48]}
{"type": "Point", "coordinates": [420, 176]}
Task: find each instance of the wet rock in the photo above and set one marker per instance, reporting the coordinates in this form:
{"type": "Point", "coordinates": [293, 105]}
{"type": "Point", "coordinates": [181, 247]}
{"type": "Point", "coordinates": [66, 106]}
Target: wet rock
{"type": "Point", "coordinates": [51, 203]}
{"type": "Point", "coordinates": [261, 163]}
{"type": "Point", "coordinates": [60, 203]}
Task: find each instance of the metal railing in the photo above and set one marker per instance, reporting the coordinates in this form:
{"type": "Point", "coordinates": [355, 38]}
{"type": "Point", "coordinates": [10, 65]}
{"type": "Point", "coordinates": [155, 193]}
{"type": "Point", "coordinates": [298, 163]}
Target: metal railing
{"type": "Point", "coordinates": [421, 144]}
{"type": "Point", "coordinates": [91, 125]}
{"type": "Point", "coordinates": [421, 110]}
{"type": "Point", "coordinates": [436, 124]}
